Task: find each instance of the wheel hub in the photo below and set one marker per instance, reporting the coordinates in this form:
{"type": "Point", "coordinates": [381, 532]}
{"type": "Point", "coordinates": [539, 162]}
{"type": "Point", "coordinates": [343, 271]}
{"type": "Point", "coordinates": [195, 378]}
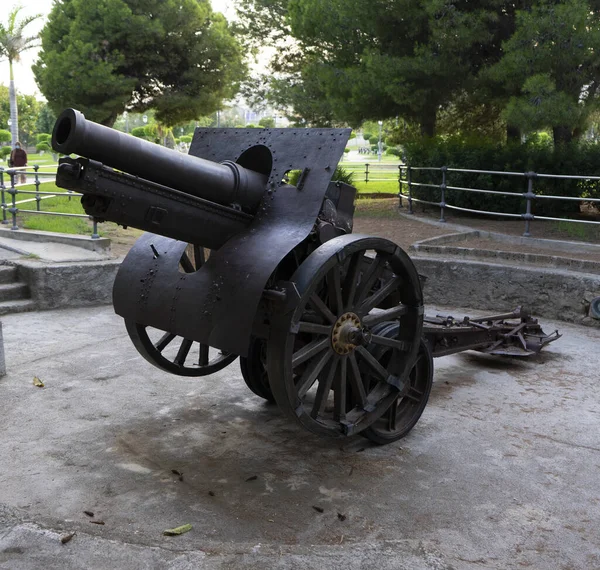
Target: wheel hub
{"type": "Point", "coordinates": [348, 333]}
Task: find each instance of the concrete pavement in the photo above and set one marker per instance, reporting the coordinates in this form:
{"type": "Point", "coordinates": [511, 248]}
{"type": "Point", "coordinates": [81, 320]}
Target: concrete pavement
{"type": "Point", "coordinates": [502, 471]}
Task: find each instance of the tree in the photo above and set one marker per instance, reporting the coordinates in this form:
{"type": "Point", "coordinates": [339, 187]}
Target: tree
{"type": "Point", "coordinates": [374, 59]}
{"type": "Point", "coordinates": [28, 113]}
{"type": "Point", "coordinates": [46, 119]}
{"type": "Point", "coordinates": [551, 67]}
{"type": "Point", "coordinates": [13, 42]}
{"type": "Point", "coordinates": [177, 57]}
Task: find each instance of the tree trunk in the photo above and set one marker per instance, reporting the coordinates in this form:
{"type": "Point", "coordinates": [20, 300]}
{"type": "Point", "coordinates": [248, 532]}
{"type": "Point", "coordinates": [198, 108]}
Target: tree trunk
{"type": "Point", "coordinates": [513, 134]}
{"type": "Point", "coordinates": [14, 114]}
{"type": "Point", "coordinates": [428, 123]}
{"type": "Point", "coordinates": [562, 135]}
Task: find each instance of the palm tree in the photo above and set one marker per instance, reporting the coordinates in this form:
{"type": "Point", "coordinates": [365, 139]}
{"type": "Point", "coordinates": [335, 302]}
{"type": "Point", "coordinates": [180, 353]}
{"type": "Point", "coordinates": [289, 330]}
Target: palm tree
{"type": "Point", "coordinates": [13, 42]}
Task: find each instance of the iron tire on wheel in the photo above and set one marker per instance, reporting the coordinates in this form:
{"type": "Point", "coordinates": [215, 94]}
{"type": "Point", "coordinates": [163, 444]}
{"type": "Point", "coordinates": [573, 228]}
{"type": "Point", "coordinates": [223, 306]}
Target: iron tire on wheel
{"type": "Point", "coordinates": [321, 345]}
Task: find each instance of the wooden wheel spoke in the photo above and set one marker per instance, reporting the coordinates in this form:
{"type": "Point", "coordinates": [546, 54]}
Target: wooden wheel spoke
{"type": "Point", "coordinates": [351, 280]}
{"type": "Point", "coordinates": [322, 308]}
{"type": "Point", "coordinates": [183, 351]}
{"type": "Point", "coordinates": [380, 316]}
{"type": "Point", "coordinates": [400, 345]}
{"type": "Point", "coordinates": [339, 395]}
{"type": "Point", "coordinates": [414, 394]}
{"type": "Point", "coordinates": [164, 341]}
{"type": "Point", "coordinates": [373, 363]}
{"type": "Point", "coordinates": [313, 328]}
{"type": "Point", "coordinates": [199, 256]}
{"type": "Point", "coordinates": [334, 289]}
{"type": "Point", "coordinates": [203, 355]}
{"type": "Point", "coordinates": [380, 295]}
{"type": "Point", "coordinates": [392, 415]}
{"type": "Point", "coordinates": [368, 279]}
{"type": "Point", "coordinates": [324, 388]}
{"type": "Point", "coordinates": [309, 351]}
{"type": "Point", "coordinates": [312, 371]}
{"type": "Point", "coordinates": [358, 387]}
{"type": "Point", "coordinates": [186, 264]}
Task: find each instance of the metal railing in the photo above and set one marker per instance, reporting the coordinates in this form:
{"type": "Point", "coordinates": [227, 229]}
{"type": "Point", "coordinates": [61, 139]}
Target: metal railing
{"type": "Point", "coordinates": [13, 174]}
{"type": "Point", "coordinates": [405, 177]}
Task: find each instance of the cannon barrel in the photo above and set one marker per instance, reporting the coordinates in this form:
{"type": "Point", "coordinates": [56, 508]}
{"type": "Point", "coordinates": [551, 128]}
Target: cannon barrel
{"type": "Point", "coordinates": [223, 183]}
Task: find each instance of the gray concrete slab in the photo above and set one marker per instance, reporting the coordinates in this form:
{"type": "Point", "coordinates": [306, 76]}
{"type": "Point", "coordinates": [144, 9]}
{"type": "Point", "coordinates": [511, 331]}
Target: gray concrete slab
{"type": "Point", "coordinates": [48, 251]}
{"type": "Point", "coordinates": [502, 471]}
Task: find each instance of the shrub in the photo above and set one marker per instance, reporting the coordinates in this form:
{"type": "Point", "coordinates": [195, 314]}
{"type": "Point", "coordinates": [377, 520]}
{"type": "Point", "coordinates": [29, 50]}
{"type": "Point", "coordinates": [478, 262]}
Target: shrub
{"type": "Point", "coordinates": [4, 151]}
{"type": "Point", "coordinates": [42, 137]}
{"type": "Point", "coordinates": [340, 175]}
{"type": "Point", "coordinates": [185, 139]}
{"type": "Point", "coordinates": [367, 136]}
{"type": "Point", "coordinates": [536, 155]}
{"type": "Point", "coordinates": [352, 135]}
{"type": "Point", "coordinates": [393, 151]}
{"type": "Point", "coordinates": [5, 136]}
{"type": "Point", "coordinates": [43, 146]}
{"type": "Point", "coordinates": [139, 132]}
{"type": "Point", "coordinates": [346, 150]}
{"type": "Point", "coordinates": [267, 122]}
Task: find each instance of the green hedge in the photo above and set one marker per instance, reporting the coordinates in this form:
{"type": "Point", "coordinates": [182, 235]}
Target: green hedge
{"type": "Point", "coordinates": [536, 155]}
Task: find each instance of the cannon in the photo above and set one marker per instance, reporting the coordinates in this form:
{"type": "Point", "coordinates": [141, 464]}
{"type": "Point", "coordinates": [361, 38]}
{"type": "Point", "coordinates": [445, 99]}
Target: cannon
{"type": "Point", "coordinates": [237, 261]}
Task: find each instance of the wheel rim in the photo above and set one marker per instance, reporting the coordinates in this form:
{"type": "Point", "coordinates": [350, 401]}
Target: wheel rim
{"type": "Point", "coordinates": [316, 353]}
{"type": "Point", "coordinates": [176, 354]}
{"type": "Point", "coordinates": [254, 369]}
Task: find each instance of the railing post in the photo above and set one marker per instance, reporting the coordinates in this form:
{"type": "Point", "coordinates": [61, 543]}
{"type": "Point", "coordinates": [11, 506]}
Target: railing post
{"type": "Point", "coordinates": [529, 196]}
{"type": "Point", "coordinates": [95, 234]}
{"type": "Point", "coordinates": [38, 198]}
{"type": "Point", "coordinates": [366, 171]}
{"type": "Point", "coordinates": [408, 182]}
{"type": "Point", "coordinates": [13, 192]}
{"type": "Point", "coordinates": [443, 197]}
{"type": "Point", "coordinates": [399, 186]}
{"type": "Point", "coordinates": [3, 196]}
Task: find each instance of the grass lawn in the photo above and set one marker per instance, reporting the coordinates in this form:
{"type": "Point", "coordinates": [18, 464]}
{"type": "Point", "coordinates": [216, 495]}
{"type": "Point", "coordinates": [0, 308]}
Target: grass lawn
{"type": "Point", "coordinates": [47, 223]}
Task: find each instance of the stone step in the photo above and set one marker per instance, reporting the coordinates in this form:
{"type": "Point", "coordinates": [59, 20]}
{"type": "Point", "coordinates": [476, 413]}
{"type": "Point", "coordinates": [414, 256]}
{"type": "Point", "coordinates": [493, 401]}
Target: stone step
{"type": "Point", "coordinates": [13, 291]}
{"type": "Point", "coordinates": [8, 273]}
{"type": "Point", "coordinates": [21, 306]}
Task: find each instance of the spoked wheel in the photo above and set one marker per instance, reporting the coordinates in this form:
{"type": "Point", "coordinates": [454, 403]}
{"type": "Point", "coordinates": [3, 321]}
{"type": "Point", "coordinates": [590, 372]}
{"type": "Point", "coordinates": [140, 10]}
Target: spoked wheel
{"type": "Point", "coordinates": [318, 351]}
{"type": "Point", "coordinates": [173, 353]}
{"type": "Point", "coordinates": [408, 406]}
{"type": "Point", "coordinates": [254, 369]}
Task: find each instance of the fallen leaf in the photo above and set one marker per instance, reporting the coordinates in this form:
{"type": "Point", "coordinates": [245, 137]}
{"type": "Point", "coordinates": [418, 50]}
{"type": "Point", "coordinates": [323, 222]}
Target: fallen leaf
{"type": "Point", "coordinates": [178, 530]}
{"type": "Point", "coordinates": [97, 522]}
{"type": "Point", "coordinates": [175, 472]}
{"type": "Point", "coordinates": [37, 382]}
{"type": "Point", "coordinates": [253, 478]}
{"type": "Point", "coordinates": [341, 517]}
{"type": "Point", "coordinates": [319, 509]}
{"type": "Point", "coordinates": [67, 537]}
{"type": "Point", "coordinates": [89, 513]}
{"type": "Point", "coordinates": [211, 493]}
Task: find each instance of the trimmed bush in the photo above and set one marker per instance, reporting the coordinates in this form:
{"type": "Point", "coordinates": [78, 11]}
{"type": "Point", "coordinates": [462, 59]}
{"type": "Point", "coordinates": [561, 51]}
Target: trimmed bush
{"type": "Point", "coordinates": [367, 136]}
{"type": "Point", "coordinates": [346, 150]}
{"type": "Point", "coordinates": [5, 136]}
{"type": "Point", "coordinates": [536, 155]}
{"type": "Point", "coordinates": [4, 151]}
{"type": "Point", "coordinates": [43, 146]}
{"type": "Point", "coordinates": [340, 175]}
{"type": "Point", "coordinates": [185, 139]}
{"type": "Point", "coordinates": [42, 137]}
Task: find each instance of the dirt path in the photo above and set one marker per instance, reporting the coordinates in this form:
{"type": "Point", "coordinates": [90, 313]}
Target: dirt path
{"type": "Point", "coordinates": [380, 218]}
